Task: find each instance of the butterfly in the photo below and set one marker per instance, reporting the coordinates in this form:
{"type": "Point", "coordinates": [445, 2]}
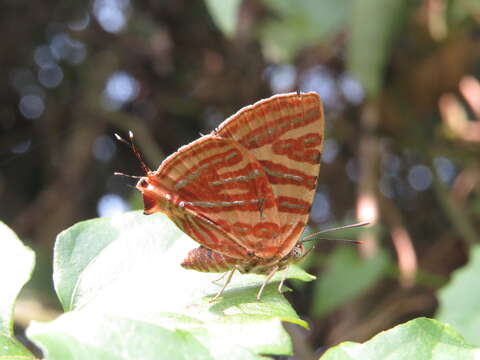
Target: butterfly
{"type": "Point", "coordinates": [244, 191]}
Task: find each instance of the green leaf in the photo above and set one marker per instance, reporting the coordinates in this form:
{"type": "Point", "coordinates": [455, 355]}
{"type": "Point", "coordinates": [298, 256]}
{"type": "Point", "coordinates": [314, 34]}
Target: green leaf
{"type": "Point", "coordinates": [459, 301]}
{"type": "Point", "coordinates": [10, 348]}
{"type": "Point", "coordinates": [421, 338]}
{"type": "Point", "coordinates": [124, 274]}
{"type": "Point", "coordinates": [16, 265]}
{"type": "Point", "coordinates": [224, 13]}
{"type": "Point", "coordinates": [300, 23]}
{"type": "Point", "coordinates": [373, 26]}
{"type": "Point", "coordinates": [345, 277]}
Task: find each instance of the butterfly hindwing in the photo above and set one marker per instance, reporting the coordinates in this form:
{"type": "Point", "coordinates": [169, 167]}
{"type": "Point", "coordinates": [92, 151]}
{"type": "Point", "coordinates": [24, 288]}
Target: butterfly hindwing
{"type": "Point", "coordinates": [285, 135]}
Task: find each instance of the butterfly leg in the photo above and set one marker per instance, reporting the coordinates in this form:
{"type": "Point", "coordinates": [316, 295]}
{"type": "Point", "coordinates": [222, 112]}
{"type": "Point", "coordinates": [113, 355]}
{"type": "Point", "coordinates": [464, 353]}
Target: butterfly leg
{"type": "Point", "coordinates": [267, 279]}
{"type": "Point", "coordinates": [220, 278]}
{"type": "Point", "coordinates": [284, 276]}
{"type": "Point", "coordinates": [229, 278]}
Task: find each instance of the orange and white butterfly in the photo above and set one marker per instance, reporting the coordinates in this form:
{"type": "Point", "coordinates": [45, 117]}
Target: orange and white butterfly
{"type": "Point", "coordinates": [244, 191]}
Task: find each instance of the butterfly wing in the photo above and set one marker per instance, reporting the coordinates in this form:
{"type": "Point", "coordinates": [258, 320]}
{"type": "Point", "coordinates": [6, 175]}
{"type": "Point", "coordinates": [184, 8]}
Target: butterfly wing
{"type": "Point", "coordinates": [285, 135]}
{"type": "Point", "coordinates": [218, 193]}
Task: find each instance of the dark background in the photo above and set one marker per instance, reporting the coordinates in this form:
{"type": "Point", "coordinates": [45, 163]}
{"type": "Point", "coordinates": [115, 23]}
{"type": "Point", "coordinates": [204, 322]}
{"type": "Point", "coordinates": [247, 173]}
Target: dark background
{"type": "Point", "coordinates": [402, 99]}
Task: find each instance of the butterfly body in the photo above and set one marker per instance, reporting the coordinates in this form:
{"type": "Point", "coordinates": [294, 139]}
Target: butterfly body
{"type": "Point", "coordinates": [244, 191]}
{"type": "Point", "coordinates": [205, 260]}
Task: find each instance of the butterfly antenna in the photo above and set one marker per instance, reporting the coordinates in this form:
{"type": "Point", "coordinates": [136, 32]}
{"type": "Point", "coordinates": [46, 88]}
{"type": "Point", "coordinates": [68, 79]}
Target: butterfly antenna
{"type": "Point", "coordinates": [132, 146]}
{"type": "Point", "coordinates": [356, 242]}
{"type": "Point", "coordinates": [126, 175]}
{"type": "Point", "coordinates": [316, 237]}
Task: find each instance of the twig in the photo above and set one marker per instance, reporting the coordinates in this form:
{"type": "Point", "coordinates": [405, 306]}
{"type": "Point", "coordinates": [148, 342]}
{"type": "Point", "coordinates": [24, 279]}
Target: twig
{"type": "Point", "coordinates": [367, 206]}
{"type": "Point", "coordinates": [407, 258]}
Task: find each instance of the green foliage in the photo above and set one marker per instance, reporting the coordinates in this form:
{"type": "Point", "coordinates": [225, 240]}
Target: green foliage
{"type": "Point", "coordinates": [346, 276]}
{"type": "Point", "coordinates": [459, 300]}
{"type": "Point", "coordinates": [126, 296]}
{"type": "Point", "coordinates": [371, 32]}
{"type": "Point", "coordinates": [121, 278]}
{"type": "Point", "coordinates": [16, 265]}
{"type": "Point", "coordinates": [421, 338]}
{"type": "Point", "coordinates": [462, 11]}
{"type": "Point", "coordinates": [224, 14]}
{"type": "Point", "coordinates": [373, 26]}
{"type": "Point", "coordinates": [300, 23]}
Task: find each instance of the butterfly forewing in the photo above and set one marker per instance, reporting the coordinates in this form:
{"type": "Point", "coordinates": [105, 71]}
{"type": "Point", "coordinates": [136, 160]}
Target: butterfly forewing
{"type": "Point", "coordinates": [285, 135]}
{"type": "Point", "coordinates": [223, 197]}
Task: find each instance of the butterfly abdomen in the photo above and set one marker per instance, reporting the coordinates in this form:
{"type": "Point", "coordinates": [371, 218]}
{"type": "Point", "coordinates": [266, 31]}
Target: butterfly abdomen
{"type": "Point", "coordinates": [206, 260]}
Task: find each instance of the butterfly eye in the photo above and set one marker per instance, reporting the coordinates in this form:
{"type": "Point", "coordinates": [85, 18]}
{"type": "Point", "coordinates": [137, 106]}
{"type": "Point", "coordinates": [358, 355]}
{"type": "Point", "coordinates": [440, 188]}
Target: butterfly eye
{"type": "Point", "coordinates": [297, 252]}
{"type": "Point", "coordinates": [143, 183]}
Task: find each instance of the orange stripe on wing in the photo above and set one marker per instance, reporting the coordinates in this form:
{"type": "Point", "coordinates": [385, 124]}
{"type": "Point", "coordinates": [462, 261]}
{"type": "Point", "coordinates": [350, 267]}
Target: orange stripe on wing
{"type": "Point", "coordinates": [212, 237]}
{"type": "Point", "coordinates": [192, 150]}
{"type": "Point", "coordinates": [280, 174]}
{"type": "Point", "coordinates": [272, 130]}
{"type": "Point", "coordinates": [293, 205]}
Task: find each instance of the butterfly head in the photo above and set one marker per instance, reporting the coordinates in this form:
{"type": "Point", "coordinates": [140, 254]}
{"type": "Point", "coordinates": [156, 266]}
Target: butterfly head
{"type": "Point", "coordinates": [146, 189]}
{"type": "Point", "coordinates": [155, 197]}
{"type": "Point", "coordinates": [297, 254]}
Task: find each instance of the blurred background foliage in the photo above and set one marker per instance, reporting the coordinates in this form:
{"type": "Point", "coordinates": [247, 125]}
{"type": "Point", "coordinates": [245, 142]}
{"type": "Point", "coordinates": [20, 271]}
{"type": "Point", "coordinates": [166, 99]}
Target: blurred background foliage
{"type": "Point", "coordinates": [399, 80]}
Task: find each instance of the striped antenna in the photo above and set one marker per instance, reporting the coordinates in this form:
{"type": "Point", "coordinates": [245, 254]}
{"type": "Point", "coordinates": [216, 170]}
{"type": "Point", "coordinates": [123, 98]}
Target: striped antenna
{"type": "Point", "coordinates": [356, 242]}
{"type": "Point", "coordinates": [315, 236]}
{"type": "Point", "coordinates": [126, 175]}
{"type": "Point", "coordinates": [132, 146]}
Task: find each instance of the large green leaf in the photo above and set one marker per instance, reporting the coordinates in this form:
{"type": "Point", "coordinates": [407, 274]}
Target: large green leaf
{"type": "Point", "coordinates": [373, 26]}
{"type": "Point", "coordinates": [300, 23]}
{"type": "Point", "coordinates": [460, 299]}
{"type": "Point", "coordinates": [345, 277]}
{"type": "Point", "coordinates": [16, 265]}
{"type": "Point", "coordinates": [421, 338]}
{"type": "Point", "coordinates": [121, 278]}
{"type": "Point", "coordinates": [224, 13]}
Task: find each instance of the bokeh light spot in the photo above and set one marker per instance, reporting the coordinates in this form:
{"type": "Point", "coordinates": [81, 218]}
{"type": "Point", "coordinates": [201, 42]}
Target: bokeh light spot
{"type": "Point", "coordinates": [80, 23]}
{"type": "Point", "coordinates": [50, 75]}
{"type": "Point", "coordinates": [103, 148]}
{"type": "Point", "coordinates": [330, 151]}
{"type": "Point", "coordinates": [351, 89]}
{"type": "Point", "coordinates": [391, 164]}
{"type": "Point", "coordinates": [321, 208]}
{"type": "Point", "coordinates": [121, 87]}
{"type": "Point", "coordinates": [59, 45]}
{"type": "Point", "coordinates": [112, 15]}
{"type": "Point", "coordinates": [43, 56]}
{"type": "Point", "coordinates": [281, 78]}
{"type": "Point", "coordinates": [111, 204]}
{"type": "Point", "coordinates": [420, 177]}
{"type": "Point", "coordinates": [77, 52]}
{"type": "Point", "coordinates": [320, 80]}
{"type": "Point", "coordinates": [22, 147]}
{"type": "Point", "coordinates": [31, 106]}
{"type": "Point", "coordinates": [367, 208]}
{"type": "Point", "coordinates": [444, 168]}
